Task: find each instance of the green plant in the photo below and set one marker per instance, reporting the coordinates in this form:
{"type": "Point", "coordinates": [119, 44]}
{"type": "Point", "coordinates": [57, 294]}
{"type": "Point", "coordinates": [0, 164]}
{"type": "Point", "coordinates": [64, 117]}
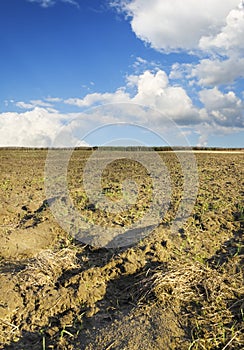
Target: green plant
{"type": "Point", "coordinates": [64, 331]}
{"type": "Point", "coordinates": [42, 331]}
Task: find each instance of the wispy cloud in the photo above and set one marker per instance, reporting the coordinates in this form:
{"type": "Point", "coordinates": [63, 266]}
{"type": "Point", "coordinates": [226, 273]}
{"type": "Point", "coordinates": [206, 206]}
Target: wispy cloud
{"type": "Point", "coordinates": [49, 3]}
{"type": "Point", "coordinates": [72, 2]}
{"type": "Point", "coordinates": [53, 99]}
{"type": "Point", "coordinates": [32, 104]}
{"type": "Point", "coordinates": [24, 105]}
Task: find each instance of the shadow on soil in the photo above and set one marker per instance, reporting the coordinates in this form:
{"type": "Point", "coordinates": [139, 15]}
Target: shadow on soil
{"type": "Point", "coordinates": [230, 248]}
{"type": "Point", "coordinates": [12, 266]}
{"type": "Point", "coordinates": [122, 295]}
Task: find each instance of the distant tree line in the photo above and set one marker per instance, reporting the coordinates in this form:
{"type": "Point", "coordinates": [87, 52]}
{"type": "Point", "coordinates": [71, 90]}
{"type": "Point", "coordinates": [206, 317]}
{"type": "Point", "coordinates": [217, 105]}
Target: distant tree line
{"type": "Point", "coordinates": [126, 148]}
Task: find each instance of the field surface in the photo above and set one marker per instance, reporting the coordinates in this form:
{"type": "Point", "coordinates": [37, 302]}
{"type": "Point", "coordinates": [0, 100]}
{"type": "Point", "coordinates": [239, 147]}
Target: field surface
{"type": "Point", "coordinates": [165, 290]}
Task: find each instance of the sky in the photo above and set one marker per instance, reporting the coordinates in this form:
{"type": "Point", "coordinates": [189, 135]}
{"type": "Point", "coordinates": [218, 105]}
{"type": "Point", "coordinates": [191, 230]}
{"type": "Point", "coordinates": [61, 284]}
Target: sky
{"type": "Point", "coordinates": [78, 72]}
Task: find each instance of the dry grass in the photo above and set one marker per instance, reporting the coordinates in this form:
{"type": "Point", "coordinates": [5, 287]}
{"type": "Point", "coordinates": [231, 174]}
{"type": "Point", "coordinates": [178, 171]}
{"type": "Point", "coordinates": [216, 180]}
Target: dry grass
{"type": "Point", "coordinates": [48, 265]}
{"type": "Point", "coordinates": [211, 303]}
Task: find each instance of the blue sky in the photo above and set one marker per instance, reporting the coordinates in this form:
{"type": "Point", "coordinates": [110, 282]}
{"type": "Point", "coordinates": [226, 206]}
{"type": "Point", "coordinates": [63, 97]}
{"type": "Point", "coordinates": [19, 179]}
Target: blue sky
{"type": "Point", "coordinates": [62, 61]}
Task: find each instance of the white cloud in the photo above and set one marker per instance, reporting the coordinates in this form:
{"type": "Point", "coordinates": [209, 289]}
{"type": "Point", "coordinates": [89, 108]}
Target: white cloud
{"type": "Point", "coordinates": [40, 103]}
{"type": "Point", "coordinates": [98, 98]}
{"type": "Point", "coordinates": [215, 130]}
{"type": "Point", "coordinates": [230, 38]}
{"type": "Point", "coordinates": [40, 126]}
{"type": "Point", "coordinates": [172, 25]}
{"type": "Point", "coordinates": [24, 105]}
{"type": "Point", "coordinates": [141, 64]}
{"type": "Point", "coordinates": [49, 3]}
{"type": "Point", "coordinates": [150, 89]}
{"type": "Point", "coordinates": [32, 104]}
{"type": "Point", "coordinates": [177, 71]}
{"type": "Point", "coordinates": [155, 91]}
{"type": "Point", "coordinates": [228, 42]}
{"type": "Point", "coordinates": [211, 72]}
{"type": "Point", "coordinates": [53, 99]}
{"type": "Point", "coordinates": [132, 80]}
{"type": "Point", "coordinates": [212, 29]}
{"type": "Point", "coordinates": [36, 128]}
{"type": "Point", "coordinates": [223, 109]}
{"type": "Point", "coordinates": [72, 2]}
{"type": "Point", "coordinates": [44, 3]}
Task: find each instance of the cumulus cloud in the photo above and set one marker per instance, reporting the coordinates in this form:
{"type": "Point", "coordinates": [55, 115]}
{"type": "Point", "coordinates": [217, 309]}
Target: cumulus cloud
{"type": "Point", "coordinates": [212, 72]}
{"type": "Point", "coordinates": [40, 126]}
{"type": "Point", "coordinates": [219, 110]}
{"type": "Point", "coordinates": [211, 29]}
{"type": "Point", "coordinates": [230, 37]}
{"type": "Point", "coordinates": [36, 128]}
{"type": "Point", "coordinates": [224, 109]}
{"type": "Point", "coordinates": [206, 130]}
{"type": "Point", "coordinates": [223, 63]}
{"type": "Point", "coordinates": [228, 42]}
{"type": "Point", "coordinates": [172, 25]}
{"type": "Point", "coordinates": [177, 71]}
{"type": "Point", "coordinates": [155, 91]}
{"type": "Point", "coordinates": [151, 89]}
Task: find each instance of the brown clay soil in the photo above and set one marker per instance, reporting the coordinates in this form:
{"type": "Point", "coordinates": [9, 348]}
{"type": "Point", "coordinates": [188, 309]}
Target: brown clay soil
{"type": "Point", "coordinates": [181, 291]}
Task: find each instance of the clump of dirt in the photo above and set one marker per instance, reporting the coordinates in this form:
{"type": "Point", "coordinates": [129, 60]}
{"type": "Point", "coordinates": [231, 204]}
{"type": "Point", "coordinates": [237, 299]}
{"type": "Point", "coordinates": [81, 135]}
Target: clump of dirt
{"type": "Point", "coordinates": [24, 243]}
{"type": "Point", "coordinates": [181, 291]}
{"type": "Point", "coordinates": [146, 327]}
